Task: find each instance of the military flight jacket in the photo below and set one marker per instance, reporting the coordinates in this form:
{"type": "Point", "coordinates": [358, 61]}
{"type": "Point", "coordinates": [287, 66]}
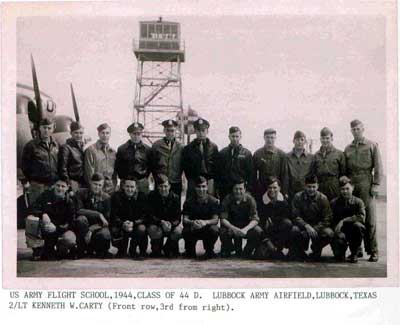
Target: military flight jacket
{"type": "Point", "coordinates": [40, 161]}
{"type": "Point", "coordinates": [168, 209]}
{"type": "Point", "coordinates": [131, 161]}
{"type": "Point", "coordinates": [70, 161]}
{"type": "Point", "coordinates": [364, 159]}
{"type": "Point", "coordinates": [100, 161]}
{"type": "Point", "coordinates": [230, 165]}
{"type": "Point", "coordinates": [270, 163]}
{"type": "Point", "coordinates": [342, 208]}
{"type": "Point", "coordinates": [61, 211]}
{"type": "Point", "coordinates": [314, 211]}
{"type": "Point", "coordinates": [330, 164]}
{"type": "Point", "coordinates": [90, 205]}
{"type": "Point", "coordinates": [167, 161]}
{"type": "Point", "coordinates": [124, 208]}
{"type": "Point", "coordinates": [192, 158]}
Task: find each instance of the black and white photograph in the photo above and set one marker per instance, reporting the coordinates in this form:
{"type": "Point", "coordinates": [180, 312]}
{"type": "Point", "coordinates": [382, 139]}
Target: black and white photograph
{"type": "Point", "coordinates": [181, 146]}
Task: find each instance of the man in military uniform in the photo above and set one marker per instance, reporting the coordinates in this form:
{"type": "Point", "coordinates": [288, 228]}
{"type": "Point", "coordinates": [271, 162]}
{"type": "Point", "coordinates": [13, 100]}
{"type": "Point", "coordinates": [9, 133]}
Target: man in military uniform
{"type": "Point", "coordinates": [133, 158]}
{"type": "Point", "coordinates": [275, 222]}
{"type": "Point", "coordinates": [71, 157]}
{"type": "Point", "coordinates": [269, 161]}
{"type": "Point", "coordinates": [312, 217]}
{"type": "Point", "coordinates": [164, 218]}
{"type": "Point", "coordinates": [364, 167]}
{"type": "Point", "coordinates": [93, 210]}
{"type": "Point", "coordinates": [199, 158]}
{"type": "Point", "coordinates": [239, 220]}
{"type": "Point", "coordinates": [233, 161]}
{"type": "Point", "coordinates": [100, 158]}
{"type": "Point", "coordinates": [128, 219]}
{"type": "Point", "coordinates": [299, 163]}
{"type": "Point", "coordinates": [328, 165]}
{"type": "Point", "coordinates": [200, 220]}
{"type": "Point", "coordinates": [40, 160]}
{"type": "Point", "coordinates": [55, 213]}
{"type": "Point", "coordinates": [348, 221]}
{"type": "Point", "coordinates": [166, 157]}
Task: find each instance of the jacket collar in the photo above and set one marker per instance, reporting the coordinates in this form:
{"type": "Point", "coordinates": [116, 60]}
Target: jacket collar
{"type": "Point", "coordinates": [266, 199]}
{"type": "Point", "coordinates": [273, 149]}
{"type": "Point", "coordinates": [306, 197]}
{"type": "Point", "coordinates": [303, 154]}
{"type": "Point", "coordinates": [51, 141]}
{"type": "Point", "coordinates": [362, 141]}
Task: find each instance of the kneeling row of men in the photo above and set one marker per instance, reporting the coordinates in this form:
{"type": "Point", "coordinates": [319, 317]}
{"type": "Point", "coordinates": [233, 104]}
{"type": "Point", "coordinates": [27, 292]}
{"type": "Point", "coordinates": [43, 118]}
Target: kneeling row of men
{"type": "Point", "coordinates": [90, 222]}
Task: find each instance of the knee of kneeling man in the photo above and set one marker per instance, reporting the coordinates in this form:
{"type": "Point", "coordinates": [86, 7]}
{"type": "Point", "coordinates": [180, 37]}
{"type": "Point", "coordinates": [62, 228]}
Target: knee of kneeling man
{"type": "Point", "coordinates": [339, 236]}
{"type": "Point", "coordinates": [82, 220]}
{"type": "Point", "coordinates": [68, 239]}
{"type": "Point", "coordinates": [141, 228]}
{"type": "Point", "coordinates": [327, 232]}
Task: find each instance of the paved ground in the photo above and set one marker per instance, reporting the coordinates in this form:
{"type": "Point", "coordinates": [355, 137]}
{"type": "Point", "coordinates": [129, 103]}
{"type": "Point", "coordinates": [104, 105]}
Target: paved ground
{"type": "Point", "coordinates": [221, 268]}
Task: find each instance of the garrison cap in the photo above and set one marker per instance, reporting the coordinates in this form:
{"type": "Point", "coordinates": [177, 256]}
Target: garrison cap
{"type": "Point", "coordinates": [201, 123]}
{"type": "Point", "coordinates": [354, 123]}
{"type": "Point", "coordinates": [344, 180]}
{"type": "Point", "coordinates": [234, 129]}
{"type": "Point", "coordinates": [161, 179]}
{"type": "Point", "coordinates": [75, 126]}
{"type": "Point", "coordinates": [136, 126]}
{"type": "Point", "coordinates": [102, 127]}
{"type": "Point", "coordinates": [46, 121]}
{"type": "Point", "coordinates": [169, 123]}
{"type": "Point", "coordinates": [299, 134]}
{"type": "Point", "coordinates": [269, 131]}
{"type": "Point", "coordinates": [325, 132]}
{"type": "Point", "coordinates": [311, 179]}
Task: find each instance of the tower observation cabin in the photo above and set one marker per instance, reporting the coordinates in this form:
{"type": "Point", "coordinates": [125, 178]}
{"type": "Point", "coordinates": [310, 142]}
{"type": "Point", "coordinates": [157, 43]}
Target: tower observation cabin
{"type": "Point", "coordinates": [158, 93]}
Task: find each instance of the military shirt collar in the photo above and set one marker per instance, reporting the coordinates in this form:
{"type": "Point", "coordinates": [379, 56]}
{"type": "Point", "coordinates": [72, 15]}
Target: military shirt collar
{"type": "Point", "coordinates": [303, 153]}
{"type": "Point", "coordinates": [135, 196]}
{"type": "Point", "coordinates": [131, 143]}
{"type": "Point", "coordinates": [309, 198]}
{"type": "Point", "coordinates": [266, 199]}
{"type": "Point", "coordinates": [100, 146]}
{"type": "Point", "coordinates": [327, 149]}
{"type": "Point", "coordinates": [361, 141]}
{"type": "Point", "coordinates": [39, 140]}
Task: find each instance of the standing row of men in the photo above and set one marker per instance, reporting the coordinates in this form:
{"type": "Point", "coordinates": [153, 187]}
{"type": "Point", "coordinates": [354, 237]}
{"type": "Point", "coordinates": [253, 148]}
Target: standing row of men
{"type": "Point", "coordinates": [43, 161]}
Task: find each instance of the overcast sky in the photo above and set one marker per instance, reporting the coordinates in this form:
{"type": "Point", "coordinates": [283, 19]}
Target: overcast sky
{"type": "Point", "coordinates": [256, 72]}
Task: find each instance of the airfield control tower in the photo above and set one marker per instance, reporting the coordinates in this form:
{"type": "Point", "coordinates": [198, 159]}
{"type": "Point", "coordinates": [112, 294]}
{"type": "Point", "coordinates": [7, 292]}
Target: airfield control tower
{"type": "Point", "coordinates": [158, 94]}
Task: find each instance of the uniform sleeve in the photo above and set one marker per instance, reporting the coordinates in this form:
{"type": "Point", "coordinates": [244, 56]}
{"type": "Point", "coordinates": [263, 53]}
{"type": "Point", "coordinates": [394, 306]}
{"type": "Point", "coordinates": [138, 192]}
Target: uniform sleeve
{"type": "Point", "coordinates": [89, 165]}
{"type": "Point", "coordinates": [284, 174]}
{"type": "Point", "coordinates": [176, 212]}
{"type": "Point", "coordinates": [92, 215]}
{"type": "Point", "coordinates": [326, 213]}
{"type": "Point", "coordinates": [360, 212]}
{"type": "Point", "coordinates": [215, 208]}
{"type": "Point", "coordinates": [115, 218]}
{"type": "Point", "coordinates": [37, 207]}
{"type": "Point", "coordinates": [187, 209]}
{"type": "Point", "coordinates": [63, 157]}
{"type": "Point", "coordinates": [152, 213]}
{"type": "Point", "coordinates": [107, 208]}
{"type": "Point", "coordinates": [377, 160]}
{"type": "Point", "coordinates": [71, 212]}
{"type": "Point", "coordinates": [215, 157]}
{"type": "Point", "coordinates": [225, 208]}
{"type": "Point", "coordinates": [296, 213]}
{"type": "Point", "coordinates": [342, 164]}
{"type": "Point", "coordinates": [254, 182]}
{"type": "Point", "coordinates": [26, 160]}
{"type": "Point", "coordinates": [253, 210]}
{"type": "Point", "coordinates": [249, 170]}
{"type": "Point", "coordinates": [185, 166]}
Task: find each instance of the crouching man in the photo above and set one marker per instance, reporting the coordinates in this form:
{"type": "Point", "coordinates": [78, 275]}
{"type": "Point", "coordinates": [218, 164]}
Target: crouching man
{"type": "Point", "coordinates": [239, 220]}
{"type": "Point", "coordinates": [164, 219]}
{"type": "Point", "coordinates": [49, 227]}
{"type": "Point", "coordinates": [128, 217]}
{"type": "Point", "coordinates": [200, 220]}
{"type": "Point", "coordinates": [312, 218]}
{"type": "Point", "coordinates": [348, 221]}
{"type": "Point", "coordinates": [93, 210]}
{"type": "Point", "coordinates": [274, 213]}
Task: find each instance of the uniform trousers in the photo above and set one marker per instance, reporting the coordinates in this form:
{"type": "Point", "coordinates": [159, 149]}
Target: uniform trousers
{"type": "Point", "coordinates": [208, 234]}
{"type": "Point", "coordinates": [300, 239]}
{"type": "Point", "coordinates": [351, 235]}
{"type": "Point", "coordinates": [230, 242]}
{"type": "Point", "coordinates": [157, 234]}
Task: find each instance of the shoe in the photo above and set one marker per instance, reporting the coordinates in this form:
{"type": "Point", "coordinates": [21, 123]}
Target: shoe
{"type": "Point", "coordinates": [360, 253]}
{"type": "Point", "coordinates": [373, 258]}
{"type": "Point", "coordinates": [278, 255]}
{"type": "Point", "coordinates": [353, 258]}
{"type": "Point", "coordinates": [155, 254]}
{"type": "Point", "coordinates": [105, 255]}
{"type": "Point", "coordinates": [314, 257]}
{"type": "Point", "coordinates": [208, 255]}
{"type": "Point", "coordinates": [297, 256]}
{"type": "Point", "coordinates": [340, 258]}
{"type": "Point", "coordinates": [225, 254]}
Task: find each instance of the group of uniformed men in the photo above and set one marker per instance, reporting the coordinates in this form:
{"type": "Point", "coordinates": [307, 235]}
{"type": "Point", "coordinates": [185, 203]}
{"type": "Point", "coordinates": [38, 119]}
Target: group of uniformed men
{"type": "Point", "coordinates": [274, 200]}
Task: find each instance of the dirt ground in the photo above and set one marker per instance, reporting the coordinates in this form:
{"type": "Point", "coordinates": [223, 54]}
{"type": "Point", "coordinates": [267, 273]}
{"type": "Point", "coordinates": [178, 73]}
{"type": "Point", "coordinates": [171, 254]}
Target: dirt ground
{"type": "Point", "coordinates": [218, 268]}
